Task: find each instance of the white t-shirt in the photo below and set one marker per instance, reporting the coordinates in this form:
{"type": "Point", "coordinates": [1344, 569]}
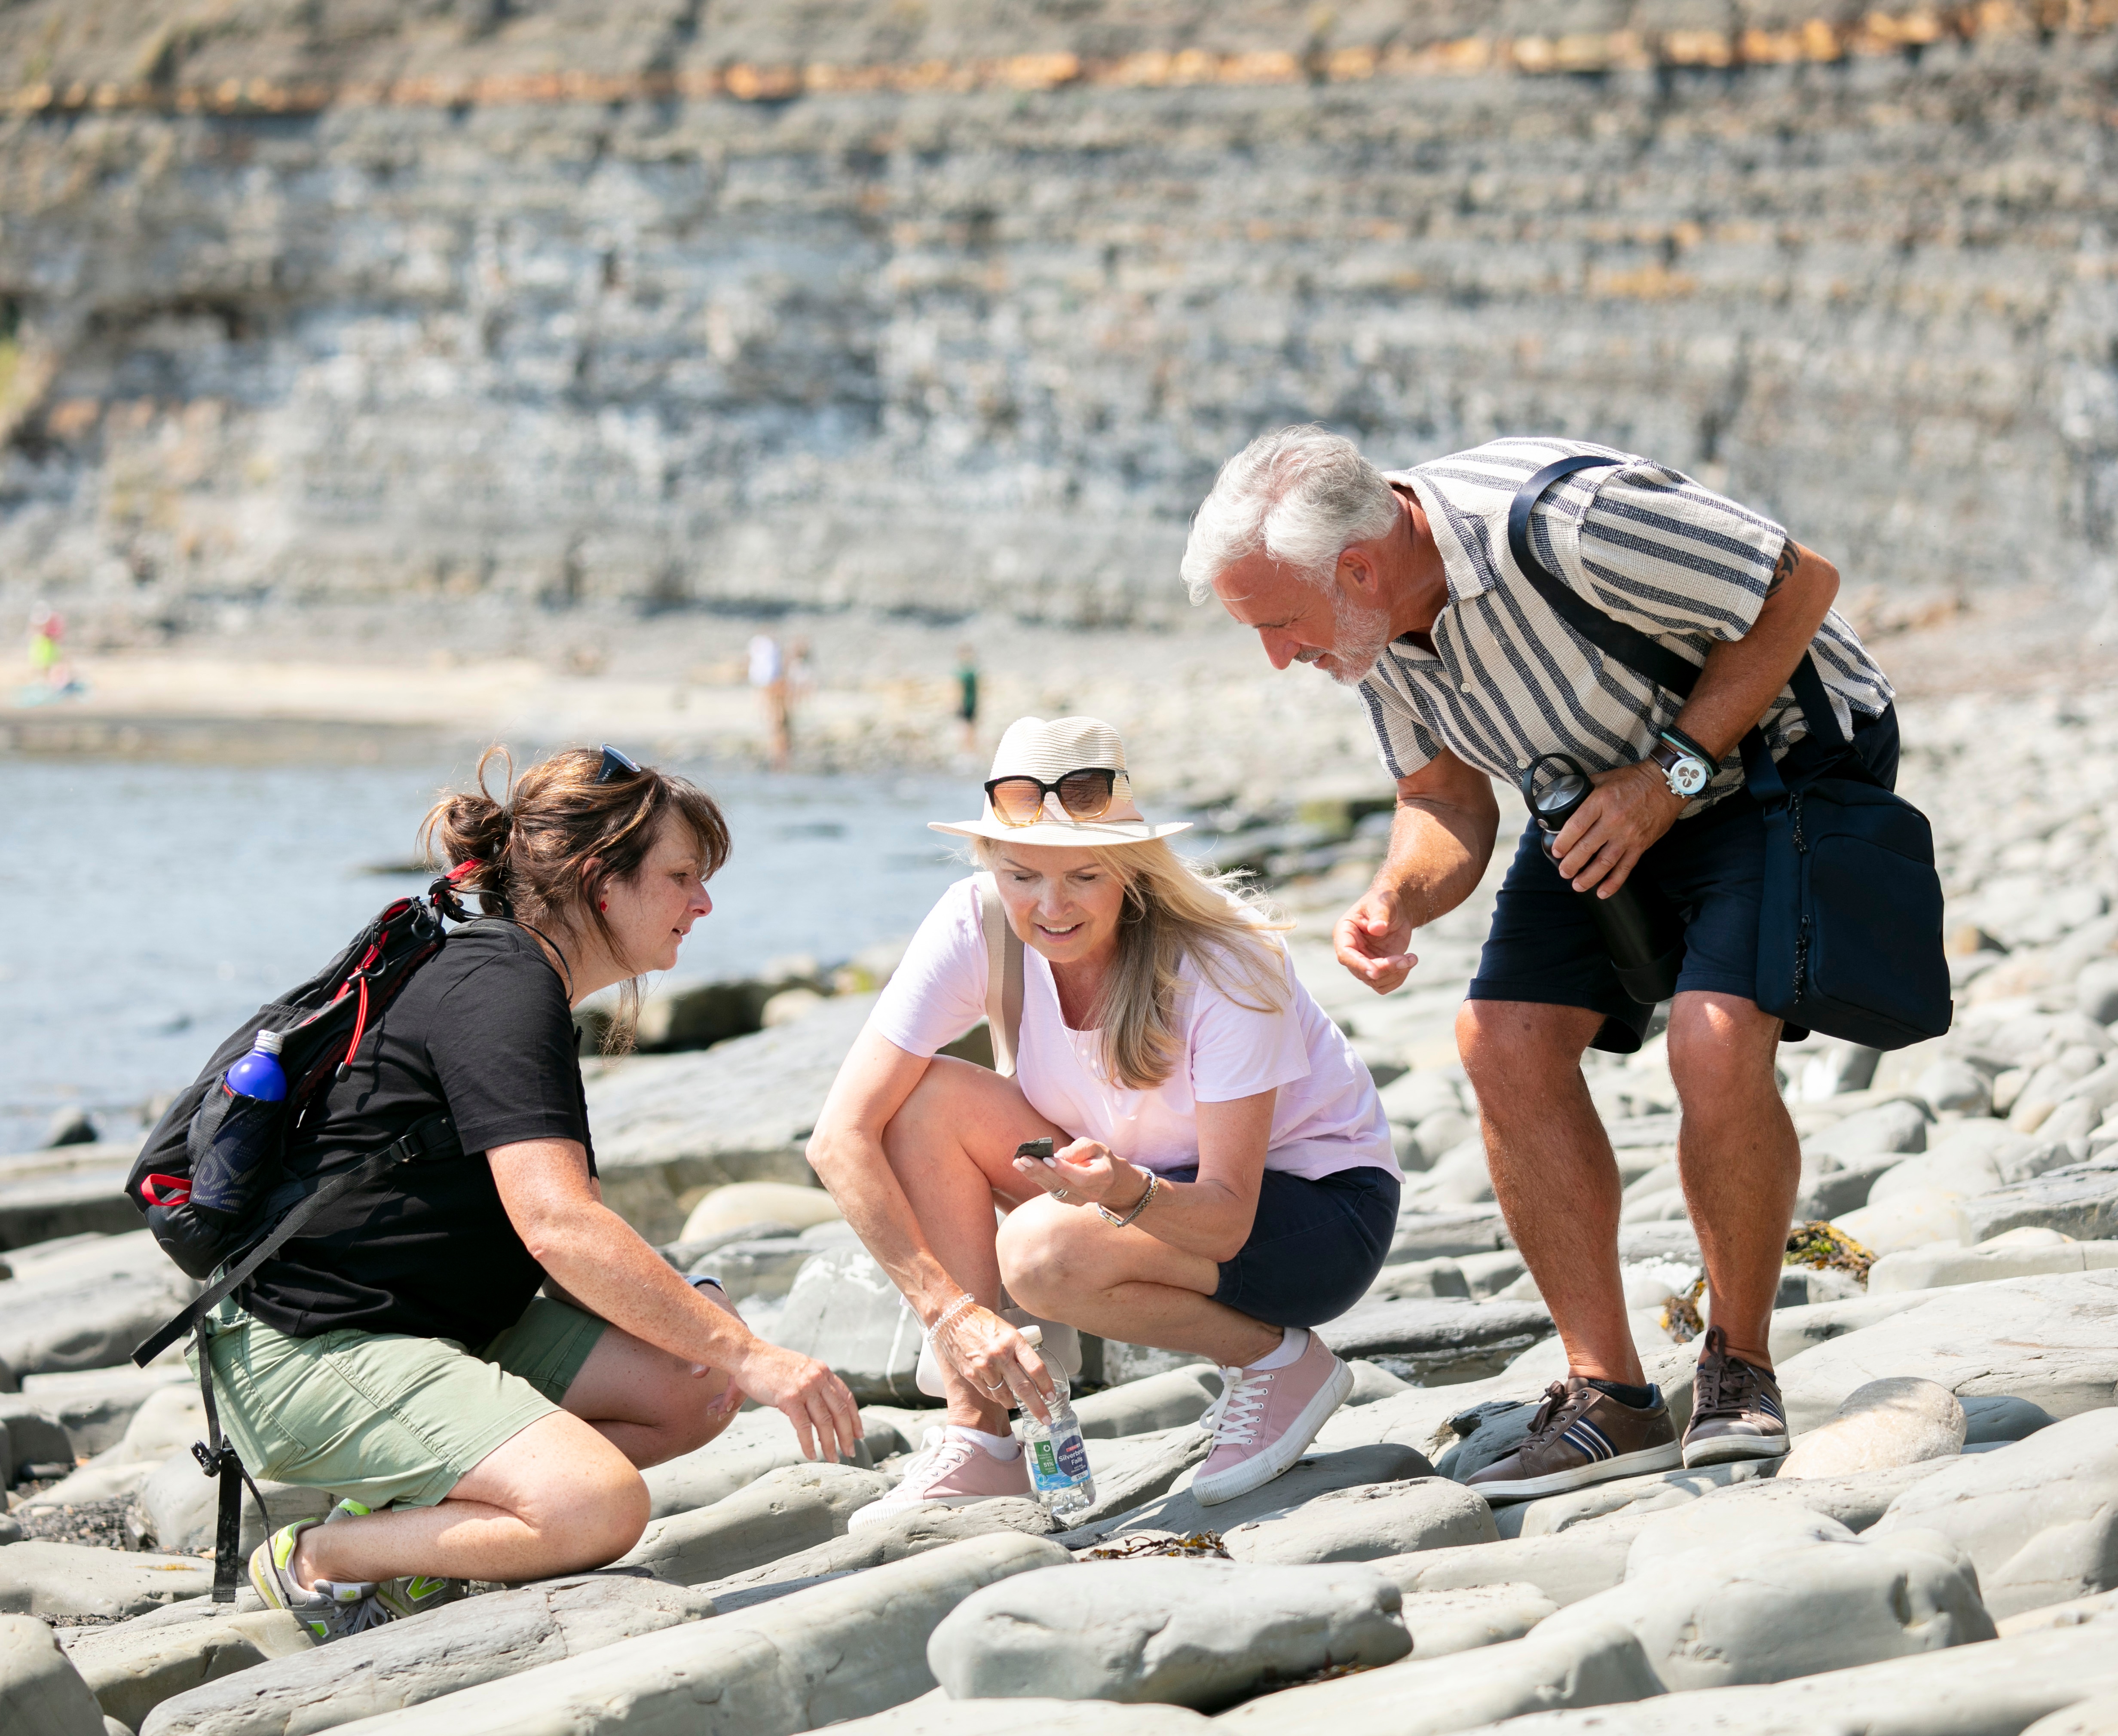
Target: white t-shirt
{"type": "Point", "coordinates": [1327, 1117]}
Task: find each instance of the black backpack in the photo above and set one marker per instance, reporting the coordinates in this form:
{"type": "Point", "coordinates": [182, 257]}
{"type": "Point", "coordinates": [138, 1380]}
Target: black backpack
{"type": "Point", "coordinates": [212, 1178]}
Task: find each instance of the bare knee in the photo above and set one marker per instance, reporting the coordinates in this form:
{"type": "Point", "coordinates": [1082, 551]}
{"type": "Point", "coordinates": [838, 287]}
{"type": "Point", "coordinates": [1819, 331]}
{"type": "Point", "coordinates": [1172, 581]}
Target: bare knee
{"type": "Point", "coordinates": [584, 1497]}
{"type": "Point", "coordinates": [1510, 1048]}
{"type": "Point", "coordinates": [1720, 1046]}
{"type": "Point", "coordinates": [603, 1516]}
{"type": "Point", "coordinates": [1040, 1256]}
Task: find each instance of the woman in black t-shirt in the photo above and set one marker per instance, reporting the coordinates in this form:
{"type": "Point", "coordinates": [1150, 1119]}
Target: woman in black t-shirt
{"type": "Point", "coordinates": [399, 1352]}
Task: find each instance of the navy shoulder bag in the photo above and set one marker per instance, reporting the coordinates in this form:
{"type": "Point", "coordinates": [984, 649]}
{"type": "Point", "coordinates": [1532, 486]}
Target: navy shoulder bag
{"type": "Point", "coordinates": [1849, 931]}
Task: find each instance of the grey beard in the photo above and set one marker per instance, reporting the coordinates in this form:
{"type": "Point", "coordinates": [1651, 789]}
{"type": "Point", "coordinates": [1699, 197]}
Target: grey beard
{"type": "Point", "coordinates": [1361, 637]}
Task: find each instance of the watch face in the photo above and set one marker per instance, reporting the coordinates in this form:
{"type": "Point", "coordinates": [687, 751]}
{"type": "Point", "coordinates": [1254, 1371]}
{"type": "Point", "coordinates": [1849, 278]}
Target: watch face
{"type": "Point", "coordinates": [1688, 777]}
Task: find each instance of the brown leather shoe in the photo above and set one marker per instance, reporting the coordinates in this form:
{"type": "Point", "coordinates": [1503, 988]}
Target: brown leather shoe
{"type": "Point", "coordinates": [1736, 1409]}
{"type": "Point", "coordinates": [1581, 1435]}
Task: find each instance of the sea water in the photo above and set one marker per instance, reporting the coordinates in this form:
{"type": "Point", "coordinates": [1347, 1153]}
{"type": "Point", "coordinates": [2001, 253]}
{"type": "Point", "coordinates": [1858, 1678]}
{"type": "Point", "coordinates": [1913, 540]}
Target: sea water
{"type": "Point", "coordinates": [146, 909]}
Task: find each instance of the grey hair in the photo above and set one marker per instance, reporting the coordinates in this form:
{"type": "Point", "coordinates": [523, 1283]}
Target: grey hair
{"type": "Point", "coordinates": [1303, 494]}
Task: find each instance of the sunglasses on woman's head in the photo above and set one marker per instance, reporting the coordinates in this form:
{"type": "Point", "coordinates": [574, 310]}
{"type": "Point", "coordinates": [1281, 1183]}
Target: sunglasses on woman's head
{"type": "Point", "coordinates": [1085, 794]}
{"type": "Point", "coordinates": [615, 764]}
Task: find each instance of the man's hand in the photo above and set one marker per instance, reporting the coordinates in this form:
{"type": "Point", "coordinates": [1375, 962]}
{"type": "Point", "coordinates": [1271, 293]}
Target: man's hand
{"type": "Point", "coordinates": [826, 1421]}
{"type": "Point", "coordinates": [1370, 940]}
{"type": "Point", "coordinates": [1629, 809]}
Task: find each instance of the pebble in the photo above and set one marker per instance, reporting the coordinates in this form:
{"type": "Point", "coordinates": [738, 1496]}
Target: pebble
{"type": "Point", "coordinates": [1895, 1421]}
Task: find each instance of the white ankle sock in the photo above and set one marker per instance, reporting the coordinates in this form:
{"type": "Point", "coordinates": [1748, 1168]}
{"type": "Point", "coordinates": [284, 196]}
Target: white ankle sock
{"type": "Point", "coordinates": [1002, 1446]}
{"type": "Point", "coordinates": [1293, 1341]}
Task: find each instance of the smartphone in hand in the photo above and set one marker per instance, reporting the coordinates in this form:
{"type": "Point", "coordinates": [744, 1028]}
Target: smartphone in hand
{"type": "Point", "coordinates": [1039, 1149]}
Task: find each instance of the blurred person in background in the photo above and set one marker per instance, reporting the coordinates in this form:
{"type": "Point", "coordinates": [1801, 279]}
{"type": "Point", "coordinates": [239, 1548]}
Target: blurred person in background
{"type": "Point", "coordinates": [967, 699]}
{"type": "Point", "coordinates": [768, 678]}
{"type": "Point", "coordinates": [1402, 586]}
{"type": "Point", "coordinates": [1223, 1177]}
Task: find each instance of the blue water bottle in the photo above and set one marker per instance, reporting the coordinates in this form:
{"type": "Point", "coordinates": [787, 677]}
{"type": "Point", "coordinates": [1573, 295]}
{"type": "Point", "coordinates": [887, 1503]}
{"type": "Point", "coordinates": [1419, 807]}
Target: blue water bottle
{"type": "Point", "coordinates": [258, 1074]}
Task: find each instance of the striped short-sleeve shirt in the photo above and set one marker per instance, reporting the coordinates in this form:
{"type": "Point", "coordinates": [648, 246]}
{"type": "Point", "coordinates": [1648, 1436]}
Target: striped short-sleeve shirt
{"type": "Point", "coordinates": [1508, 680]}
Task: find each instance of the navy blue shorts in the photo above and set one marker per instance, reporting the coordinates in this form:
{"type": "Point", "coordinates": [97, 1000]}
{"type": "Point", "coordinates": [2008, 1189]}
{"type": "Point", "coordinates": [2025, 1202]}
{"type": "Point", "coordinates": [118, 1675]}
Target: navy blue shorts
{"type": "Point", "coordinates": [1543, 947]}
{"type": "Point", "coordinates": [1314, 1246]}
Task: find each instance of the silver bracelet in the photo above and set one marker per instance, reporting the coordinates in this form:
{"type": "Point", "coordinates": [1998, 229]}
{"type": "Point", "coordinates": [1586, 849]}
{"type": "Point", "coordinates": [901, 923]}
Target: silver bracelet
{"type": "Point", "coordinates": [1112, 1218]}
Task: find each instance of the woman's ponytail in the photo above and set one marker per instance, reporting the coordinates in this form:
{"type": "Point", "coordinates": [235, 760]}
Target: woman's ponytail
{"type": "Point", "coordinates": [473, 828]}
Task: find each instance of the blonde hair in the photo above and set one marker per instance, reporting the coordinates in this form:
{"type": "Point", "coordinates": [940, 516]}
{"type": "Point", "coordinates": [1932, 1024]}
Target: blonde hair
{"type": "Point", "coordinates": [1174, 911]}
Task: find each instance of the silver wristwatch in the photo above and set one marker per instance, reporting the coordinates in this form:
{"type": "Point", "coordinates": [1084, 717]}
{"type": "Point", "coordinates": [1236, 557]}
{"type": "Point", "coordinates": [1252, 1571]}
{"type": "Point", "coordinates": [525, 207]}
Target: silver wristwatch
{"type": "Point", "coordinates": [1684, 768]}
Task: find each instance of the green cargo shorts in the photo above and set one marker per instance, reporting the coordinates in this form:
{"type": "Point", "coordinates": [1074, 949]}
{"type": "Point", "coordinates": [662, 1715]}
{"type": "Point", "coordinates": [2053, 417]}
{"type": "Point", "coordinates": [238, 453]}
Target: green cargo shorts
{"type": "Point", "coordinates": [388, 1418]}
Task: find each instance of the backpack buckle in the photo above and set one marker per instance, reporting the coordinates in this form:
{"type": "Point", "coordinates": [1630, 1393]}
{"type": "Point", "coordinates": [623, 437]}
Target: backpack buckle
{"type": "Point", "coordinates": [209, 1457]}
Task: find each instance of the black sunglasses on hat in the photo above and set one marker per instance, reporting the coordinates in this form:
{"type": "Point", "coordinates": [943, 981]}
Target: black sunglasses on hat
{"type": "Point", "coordinates": [1086, 795]}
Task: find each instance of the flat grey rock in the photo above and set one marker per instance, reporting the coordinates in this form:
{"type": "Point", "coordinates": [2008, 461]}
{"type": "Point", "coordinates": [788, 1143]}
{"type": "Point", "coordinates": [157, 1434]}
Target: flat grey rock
{"type": "Point", "coordinates": [1898, 1127]}
{"type": "Point", "coordinates": [133, 1668]}
{"type": "Point", "coordinates": [1438, 1340]}
{"type": "Point", "coordinates": [1658, 1492]}
{"type": "Point", "coordinates": [1442, 1623]}
{"type": "Point", "coordinates": [1447, 1230]}
{"type": "Point", "coordinates": [793, 1509]}
{"type": "Point", "coordinates": [2081, 1201]}
{"type": "Point", "coordinates": [41, 1694]}
{"type": "Point", "coordinates": [936, 1715]}
{"type": "Point", "coordinates": [1469, 1690]}
{"type": "Point", "coordinates": [840, 1651]}
{"type": "Point", "coordinates": [2053, 1341]}
{"type": "Point", "coordinates": [70, 1190]}
{"type": "Point", "coordinates": [35, 1436]}
{"type": "Point", "coordinates": [915, 1532]}
{"type": "Point", "coordinates": [39, 1578]}
{"type": "Point", "coordinates": [2040, 1518]}
{"type": "Point", "coordinates": [1999, 1418]}
{"type": "Point", "coordinates": [754, 1442]}
{"type": "Point", "coordinates": [1720, 1617]}
{"type": "Point", "coordinates": [844, 1310]}
{"type": "Point", "coordinates": [1196, 1633]}
{"type": "Point", "coordinates": [1362, 1522]}
{"type": "Point", "coordinates": [1160, 1401]}
{"type": "Point", "coordinates": [95, 1407]}
{"type": "Point", "coordinates": [667, 1125]}
{"type": "Point", "coordinates": [1997, 1689]}
{"type": "Point", "coordinates": [1937, 1269]}
{"type": "Point", "coordinates": [90, 1306]}
{"type": "Point", "coordinates": [1567, 1566]}
{"type": "Point", "coordinates": [439, 1653]}
{"type": "Point", "coordinates": [1316, 1473]}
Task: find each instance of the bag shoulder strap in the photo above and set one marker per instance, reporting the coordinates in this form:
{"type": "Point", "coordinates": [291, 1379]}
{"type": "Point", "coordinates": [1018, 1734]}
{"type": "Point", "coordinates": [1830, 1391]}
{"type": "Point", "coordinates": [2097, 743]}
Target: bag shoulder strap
{"type": "Point", "coordinates": [1003, 977]}
{"type": "Point", "coordinates": [1642, 654]}
{"type": "Point", "coordinates": [420, 1140]}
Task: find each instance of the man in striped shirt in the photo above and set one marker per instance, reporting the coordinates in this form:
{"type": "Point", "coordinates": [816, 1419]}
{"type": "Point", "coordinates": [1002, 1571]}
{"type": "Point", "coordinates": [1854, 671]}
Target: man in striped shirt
{"type": "Point", "coordinates": [1403, 586]}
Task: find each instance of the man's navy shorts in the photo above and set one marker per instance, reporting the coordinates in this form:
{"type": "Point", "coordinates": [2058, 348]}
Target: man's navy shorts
{"type": "Point", "coordinates": [1543, 947]}
{"type": "Point", "coordinates": [1314, 1246]}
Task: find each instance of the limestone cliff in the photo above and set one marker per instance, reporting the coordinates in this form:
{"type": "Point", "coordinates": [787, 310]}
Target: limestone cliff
{"type": "Point", "coordinates": [930, 306]}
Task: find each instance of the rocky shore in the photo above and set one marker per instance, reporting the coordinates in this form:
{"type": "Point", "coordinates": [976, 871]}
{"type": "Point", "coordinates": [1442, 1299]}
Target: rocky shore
{"type": "Point", "coordinates": [1939, 1552]}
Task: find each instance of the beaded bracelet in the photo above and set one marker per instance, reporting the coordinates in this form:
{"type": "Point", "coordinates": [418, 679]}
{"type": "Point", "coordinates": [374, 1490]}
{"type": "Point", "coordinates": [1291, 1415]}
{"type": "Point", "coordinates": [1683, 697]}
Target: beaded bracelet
{"type": "Point", "coordinates": [962, 1303]}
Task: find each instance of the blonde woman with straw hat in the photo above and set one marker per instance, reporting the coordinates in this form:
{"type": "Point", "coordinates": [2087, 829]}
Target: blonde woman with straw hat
{"type": "Point", "coordinates": [1222, 1177]}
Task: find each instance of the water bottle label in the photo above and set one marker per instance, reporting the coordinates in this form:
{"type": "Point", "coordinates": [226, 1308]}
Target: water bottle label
{"type": "Point", "coordinates": [1073, 1458]}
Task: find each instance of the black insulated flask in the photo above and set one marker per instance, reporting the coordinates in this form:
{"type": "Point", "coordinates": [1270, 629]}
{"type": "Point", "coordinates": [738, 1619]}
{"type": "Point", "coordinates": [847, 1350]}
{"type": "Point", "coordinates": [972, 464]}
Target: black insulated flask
{"type": "Point", "coordinates": [1640, 928]}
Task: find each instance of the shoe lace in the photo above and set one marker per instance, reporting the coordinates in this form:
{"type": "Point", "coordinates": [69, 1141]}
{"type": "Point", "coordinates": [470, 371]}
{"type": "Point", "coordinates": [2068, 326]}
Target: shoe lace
{"type": "Point", "coordinates": [1232, 1418]}
{"type": "Point", "coordinates": [1550, 1414]}
{"type": "Point", "coordinates": [1726, 1384]}
{"type": "Point", "coordinates": [938, 1454]}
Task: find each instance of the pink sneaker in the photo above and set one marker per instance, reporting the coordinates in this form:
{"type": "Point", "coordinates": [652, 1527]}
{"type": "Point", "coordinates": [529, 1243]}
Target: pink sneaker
{"type": "Point", "coordinates": [950, 1472]}
{"type": "Point", "coordinates": [1265, 1419]}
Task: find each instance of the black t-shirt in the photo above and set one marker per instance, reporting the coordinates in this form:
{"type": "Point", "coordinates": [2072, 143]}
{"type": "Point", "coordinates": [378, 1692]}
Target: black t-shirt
{"type": "Point", "coordinates": [482, 1031]}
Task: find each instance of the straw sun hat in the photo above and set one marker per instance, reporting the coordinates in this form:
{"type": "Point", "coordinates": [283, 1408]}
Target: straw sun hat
{"type": "Point", "coordinates": [1033, 748]}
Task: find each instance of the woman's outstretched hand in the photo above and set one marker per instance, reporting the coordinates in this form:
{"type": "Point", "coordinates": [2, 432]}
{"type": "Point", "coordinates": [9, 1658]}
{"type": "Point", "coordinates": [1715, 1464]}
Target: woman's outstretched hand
{"type": "Point", "coordinates": [995, 1359]}
{"type": "Point", "coordinates": [1086, 1173]}
{"type": "Point", "coordinates": [826, 1421]}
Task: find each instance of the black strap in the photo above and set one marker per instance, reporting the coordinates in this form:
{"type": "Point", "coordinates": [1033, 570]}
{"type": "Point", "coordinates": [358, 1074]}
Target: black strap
{"type": "Point", "coordinates": [426, 1137]}
{"type": "Point", "coordinates": [218, 1458]}
{"type": "Point", "coordinates": [1645, 656]}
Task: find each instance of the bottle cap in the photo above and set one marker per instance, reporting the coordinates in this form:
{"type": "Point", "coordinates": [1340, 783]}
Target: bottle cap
{"type": "Point", "coordinates": [1032, 1335]}
{"type": "Point", "coordinates": [270, 1041]}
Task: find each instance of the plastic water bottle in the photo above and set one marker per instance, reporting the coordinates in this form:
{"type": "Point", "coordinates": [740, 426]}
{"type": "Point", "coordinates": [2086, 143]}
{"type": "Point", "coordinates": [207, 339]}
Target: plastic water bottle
{"type": "Point", "coordinates": [258, 1074]}
{"type": "Point", "coordinates": [1640, 928]}
{"type": "Point", "coordinates": [1058, 1459]}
